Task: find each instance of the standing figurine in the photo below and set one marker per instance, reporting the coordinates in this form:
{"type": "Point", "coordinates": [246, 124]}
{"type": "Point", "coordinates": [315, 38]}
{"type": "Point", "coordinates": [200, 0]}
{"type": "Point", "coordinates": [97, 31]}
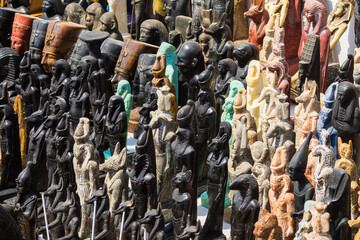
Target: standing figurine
{"type": "Point", "coordinates": [184, 154]}
{"type": "Point", "coordinates": [116, 123]}
{"type": "Point", "coordinates": [337, 199]}
{"type": "Point", "coordinates": [228, 107]}
{"type": "Point", "coordinates": [124, 90]}
{"type": "Point", "coordinates": [303, 189]}
{"type": "Point", "coordinates": [261, 171]}
{"type": "Point", "coordinates": [86, 171]}
{"type": "Point", "coordinates": [190, 62]}
{"type": "Point", "coordinates": [25, 204]}
{"type": "Point", "coordinates": [338, 20]}
{"type": "Point", "coordinates": [217, 179]}
{"type": "Point", "coordinates": [316, 12]}
{"type": "Point", "coordinates": [245, 207]}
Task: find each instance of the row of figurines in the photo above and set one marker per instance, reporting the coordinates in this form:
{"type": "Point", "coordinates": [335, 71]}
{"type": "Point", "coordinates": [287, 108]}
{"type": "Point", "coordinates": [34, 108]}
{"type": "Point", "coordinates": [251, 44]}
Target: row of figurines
{"type": "Point", "coordinates": [215, 45]}
{"type": "Point", "coordinates": [280, 189]}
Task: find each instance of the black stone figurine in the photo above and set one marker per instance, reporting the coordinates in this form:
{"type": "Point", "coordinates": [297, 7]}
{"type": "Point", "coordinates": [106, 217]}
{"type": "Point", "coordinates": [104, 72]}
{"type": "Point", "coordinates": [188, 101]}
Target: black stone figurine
{"type": "Point", "coordinates": [6, 20]}
{"type": "Point", "coordinates": [37, 40]}
{"type": "Point", "coordinates": [217, 179]}
{"type": "Point", "coordinates": [59, 85]}
{"type": "Point", "coordinates": [190, 62]}
{"type": "Point", "coordinates": [52, 10]}
{"type": "Point", "coordinates": [145, 117]}
{"type": "Point", "coordinates": [303, 189]}
{"type": "Point", "coordinates": [245, 207]}
{"type": "Point", "coordinates": [22, 6]}
{"type": "Point", "coordinates": [337, 198]}
{"type": "Point", "coordinates": [244, 53]}
{"type": "Point", "coordinates": [116, 123]}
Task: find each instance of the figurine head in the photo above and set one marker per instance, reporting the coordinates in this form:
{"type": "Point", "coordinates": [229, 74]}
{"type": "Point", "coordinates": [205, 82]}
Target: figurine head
{"type": "Point", "coordinates": [123, 88]}
{"type": "Point", "coordinates": [80, 50]}
{"type": "Point", "coordinates": [182, 178]}
{"type": "Point", "coordinates": [247, 186]}
{"type": "Point", "coordinates": [240, 100]}
{"type": "Point", "coordinates": [278, 163]}
{"type": "Point", "coordinates": [59, 42]}
{"type": "Point", "coordinates": [115, 102]}
{"type": "Point", "coordinates": [44, 81]}
{"type": "Point", "coordinates": [185, 114]}
{"type": "Point", "coordinates": [346, 70]}
{"type": "Point", "coordinates": [259, 152]}
{"type": "Point", "coordinates": [23, 181]}
{"type": "Point", "coordinates": [204, 40]}
{"type": "Point", "coordinates": [21, 32]}
{"type": "Point", "coordinates": [204, 96]}
{"type": "Point", "coordinates": [316, 12]}
{"type": "Point", "coordinates": [346, 93]}
{"type": "Point", "coordinates": [82, 131]}
{"type": "Point", "coordinates": [221, 141]}
{"type": "Point", "coordinates": [60, 67]}
{"type": "Point", "coordinates": [281, 183]}
{"type": "Point", "coordinates": [108, 23]}
{"type": "Point", "coordinates": [74, 12]}
{"type": "Point", "coordinates": [234, 88]}
{"type": "Point", "coordinates": [245, 52]}
{"type": "Point", "coordinates": [81, 74]}
{"type": "Point", "coordinates": [52, 8]}
{"type": "Point", "coordinates": [9, 64]}
{"type": "Point", "coordinates": [227, 65]}
{"type": "Point", "coordinates": [189, 57]}
{"type": "Point", "coordinates": [345, 149]}
{"type": "Point", "coordinates": [93, 14]}
{"type": "Point", "coordinates": [159, 67]}
{"type": "Point", "coordinates": [37, 39]}
{"type": "Point", "coordinates": [176, 38]}
{"type": "Point", "coordinates": [330, 96]}
{"type": "Point", "coordinates": [154, 32]}
{"type": "Point", "coordinates": [207, 78]}
{"type": "Point", "coordinates": [228, 106]}
{"type": "Point", "coordinates": [298, 162]}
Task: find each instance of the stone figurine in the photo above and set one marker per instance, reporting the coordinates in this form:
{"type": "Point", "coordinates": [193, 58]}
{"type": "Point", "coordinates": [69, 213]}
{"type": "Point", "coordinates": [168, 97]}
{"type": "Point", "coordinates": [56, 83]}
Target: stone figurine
{"type": "Point", "coordinates": [10, 143]}
{"type": "Point", "coordinates": [116, 179]}
{"type": "Point", "coordinates": [316, 13]}
{"type": "Point", "coordinates": [205, 115]}
{"type": "Point", "coordinates": [86, 169]}
{"type": "Point", "coordinates": [37, 40]}
{"type": "Point", "coordinates": [126, 64]}
{"type": "Point", "coordinates": [325, 115]}
{"type": "Point", "coordinates": [147, 108]}
{"type": "Point", "coordinates": [267, 226]}
{"type": "Point", "coordinates": [244, 53]}
{"type": "Point", "coordinates": [60, 40]}
{"type": "Point", "coordinates": [21, 32]}
{"type": "Point", "coordinates": [142, 76]}
{"type": "Point", "coordinates": [183, 154]}
{"type": "Point", "coordinates": [323, 168]}
{"type": "Point", "coordinates": [182, 200]}
{"type": "Point", "coordinates": [177, 37]}
{"type": "Point", "coordinates": [227, 71]}
{"type": "Point", "coordinates": [307, 103]}
{"type": "Point", "coordinates": [190, 62]}
{"type": "Point", "coordinates": [52, 10]}
{"type": "Point", "coordinates": [93, 14]}
{"type": "Point", "coordinates": [110, 50]}
{"type": "Point", "coordinates": [228, 107]}
{"type": "Point", "coordinates": [124, 90]}
{"type": "Point", "coordinates": [9, 67]}
{"type": "Point", "coordinates": [245, 207]}
{"type": "Point", "coordinates": [116, 123]}
{"type": "Point", "coordinates": [217, 179]}
{"type": "Point", "coordinates": [74, 12]}
{"type": "Point", "coordinates": [261, 171]}
{"type": "Point", "coordinates": [80, 50]}
{"type": "Point", "coordinates": [337, 198]}
{"type": "Point", "coordinates": [25, 203]}
{"type": "Point", "coordinates": [259, 17]}
{"type": "Point", "coordinates": [303, 189]}
{"type": "Point", "coordinates": [153, 32]}
{"type": "Point", "coordinates": [347, 163]}
{"type": "Point", "coordinates": [109, 24]}
{"type": "Point", "coordinates": [339, 19]}
{"type": "Point", "coordinates": [164, 127]}
{"type": "Point", "coordinates": [346, 110]}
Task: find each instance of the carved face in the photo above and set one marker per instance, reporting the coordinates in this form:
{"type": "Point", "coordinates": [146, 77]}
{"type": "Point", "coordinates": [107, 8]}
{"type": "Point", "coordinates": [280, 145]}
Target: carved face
{"type": "Point", "coordinates": [183, 64]}
{"type": "Point", "coordinates": [222, 69]}
{"type": "Point", "coordinates": [90, 19]}
{"type": "Point", "coordinates": [105, 23]}
{"type": "Point", "coordinates": [18, 45]}
{"type": "Point", "coordinates": [47, 61]}
{"type": "Point", "coordinates": [46, 6]}
{"type": "Point", "coordinates": [339, 9]}
{"type": "Point", "coordinates": [310, 16]}
{"type": "Point", "coordinates": [36, 55]}
{"type": "Point", "coordinates": [146, 35]}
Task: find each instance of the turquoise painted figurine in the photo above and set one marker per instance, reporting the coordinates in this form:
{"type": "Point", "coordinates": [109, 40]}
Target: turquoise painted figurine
{"type": "Point", "coordinates": [171, 68]}
{"type": "Point", "coordinates": [305, 224]}
{"type": "Point", "coordinates": [228, 109]}
{"type": "Point", "coordinates": [124, 90]}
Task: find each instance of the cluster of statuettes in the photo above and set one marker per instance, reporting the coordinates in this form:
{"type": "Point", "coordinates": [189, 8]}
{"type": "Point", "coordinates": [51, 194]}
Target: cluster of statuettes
{"type": "Point", "coordinates": [207, 97]}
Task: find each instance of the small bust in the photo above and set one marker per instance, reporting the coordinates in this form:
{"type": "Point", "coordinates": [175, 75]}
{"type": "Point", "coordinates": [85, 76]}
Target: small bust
{"type": "Point", "coordinates": [74, 12]}
{"type": "Point", "coordinates": [93, 14]}
{"type": "Point", "coordinates": [154, 32]}
{"type": "Point", "coordinates": [52, 10]}
{"type": "Point", "coordinates": [108, 23]}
